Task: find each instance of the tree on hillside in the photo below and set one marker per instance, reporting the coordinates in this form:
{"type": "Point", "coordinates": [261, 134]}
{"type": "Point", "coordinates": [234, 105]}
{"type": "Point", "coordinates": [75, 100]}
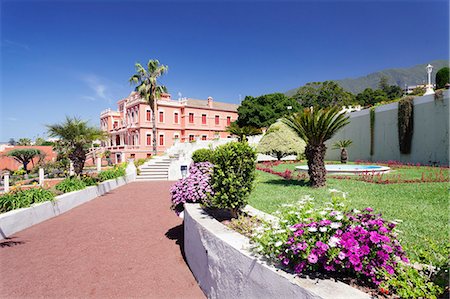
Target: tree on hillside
{"type": "Point", "coordinates": [75, 139]}
{"type": "Point", "coordinates": [323, 94]}
{"type": "Point", "coordinates": [442, 77]}
{"type": "Point", "coordinates": [392, 91]}
{"type": "Point", "coordinates": [370, 97]}
{"type": "Point", "coordinates": [24, 141]}
{"type": "Point", "coordinates": [280, 141]}
{"type": "Point", "coordinates": [24, 156]}
{"type": "Point", "coordinates": [315, 126]}
{"type": "Point", "coordinates": [39, 141]}
{"type": "Point", "coordinates": [148, 88]}
{"type": "Point", "coordinates": [262, 111]}
{"type": "Point", "coordinates": [242, 132]}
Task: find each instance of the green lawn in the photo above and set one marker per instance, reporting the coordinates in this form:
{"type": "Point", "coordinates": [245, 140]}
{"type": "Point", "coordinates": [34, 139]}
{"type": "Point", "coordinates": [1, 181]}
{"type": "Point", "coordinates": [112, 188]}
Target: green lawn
{"type": "Point", "coordinates": [423, 207]}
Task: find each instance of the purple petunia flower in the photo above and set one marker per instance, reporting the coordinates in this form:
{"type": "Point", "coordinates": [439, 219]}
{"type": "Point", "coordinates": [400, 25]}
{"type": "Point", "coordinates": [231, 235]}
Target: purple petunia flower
{"type": "Point", "coordinates": [312, 258]}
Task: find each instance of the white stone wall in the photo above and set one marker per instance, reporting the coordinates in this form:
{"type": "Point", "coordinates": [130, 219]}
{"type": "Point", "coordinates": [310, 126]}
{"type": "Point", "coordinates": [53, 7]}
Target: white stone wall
{"type": "Point", "coordinates": [430, 141]}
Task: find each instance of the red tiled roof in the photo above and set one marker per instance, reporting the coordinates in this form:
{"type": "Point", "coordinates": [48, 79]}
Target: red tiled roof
{"type": "Point", "coordinates": [215, 105]}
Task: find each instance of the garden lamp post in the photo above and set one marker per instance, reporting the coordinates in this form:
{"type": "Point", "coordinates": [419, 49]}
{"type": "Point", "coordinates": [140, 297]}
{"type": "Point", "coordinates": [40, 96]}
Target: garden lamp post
{"type": "Point", "coordinates": [429, 85]}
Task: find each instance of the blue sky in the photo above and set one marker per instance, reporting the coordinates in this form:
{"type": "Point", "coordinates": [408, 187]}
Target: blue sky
{"type": "Point", "coordinates": [75, 57]}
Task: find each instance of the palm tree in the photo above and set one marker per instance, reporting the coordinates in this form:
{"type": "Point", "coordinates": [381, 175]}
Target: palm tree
{"type": "Point", "coordinates": [315, 127]}
{"type": "Point", "coordinates": [148, 88]}
{"type": "Point", "coordinates": [242, 132]}
{"type": "Point", "coordinates": [75, 139]}
{"type": "Point", "coordinates": [342, 145]}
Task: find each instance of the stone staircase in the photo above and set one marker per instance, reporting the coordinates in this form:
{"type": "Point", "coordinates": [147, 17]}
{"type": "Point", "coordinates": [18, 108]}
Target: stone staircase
{"type": "Point", "coordinates": [157, 169]}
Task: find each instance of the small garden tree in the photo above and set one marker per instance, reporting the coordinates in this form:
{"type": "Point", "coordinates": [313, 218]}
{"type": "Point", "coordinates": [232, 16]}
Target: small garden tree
{"type": "Point", "coordinates": [280, 141]}
{"type": "Point", "coordinates": [315, 126]}
{"type": "Point", "coordinates": [342, 145]}
{"type": "Point", "coordinates": [24, 141]}
{"type": "Point", "coordinates": [75, 138]}
{"type": "Point", "coordinates": [24, 156]}
{"type": "Point", "coordinates": [233, 176]}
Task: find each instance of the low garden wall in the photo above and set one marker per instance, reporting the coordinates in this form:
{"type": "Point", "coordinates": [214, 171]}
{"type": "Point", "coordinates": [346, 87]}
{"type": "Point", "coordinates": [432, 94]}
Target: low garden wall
{"type": "Point", "coordinates": [224, 267]}
{"type": "Point", "coordinates": [19, 219]}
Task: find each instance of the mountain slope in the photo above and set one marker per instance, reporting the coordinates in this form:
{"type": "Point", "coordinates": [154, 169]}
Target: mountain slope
{"type": "Point", "coordinates": [396, 76]}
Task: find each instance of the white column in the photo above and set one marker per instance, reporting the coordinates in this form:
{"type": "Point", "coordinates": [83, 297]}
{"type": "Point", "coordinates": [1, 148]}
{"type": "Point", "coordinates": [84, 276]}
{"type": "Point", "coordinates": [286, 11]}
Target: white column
{"type": "Point", "coordinates": [71, 169]}
{"type": "Point", "coordinates": [41, 177]}
{"type": "Point", "coordinates": [6, 181]}
{"type": "Point", "coordinates": [99, 164]}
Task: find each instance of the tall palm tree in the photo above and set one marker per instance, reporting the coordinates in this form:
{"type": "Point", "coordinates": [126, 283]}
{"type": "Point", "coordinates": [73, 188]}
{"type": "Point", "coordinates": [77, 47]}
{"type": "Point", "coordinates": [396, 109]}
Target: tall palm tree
{"type": "Point", "coordinates": [315, 127]}
{"type": "Point", "coordinates": [75, 138]}
{"type": "Point", "coordinates": [242, 132]}
{"type": "Point", "coordinates": [148, 88]}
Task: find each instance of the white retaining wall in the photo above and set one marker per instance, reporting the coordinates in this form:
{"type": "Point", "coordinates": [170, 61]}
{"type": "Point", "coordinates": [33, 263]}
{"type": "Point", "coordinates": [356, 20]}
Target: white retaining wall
{"type": "Point", "coordinates": [20, 219]}
{"type": "Point", "coordinates": [224, 267]}
{"type": "Point", "coordinates": [430, 142]}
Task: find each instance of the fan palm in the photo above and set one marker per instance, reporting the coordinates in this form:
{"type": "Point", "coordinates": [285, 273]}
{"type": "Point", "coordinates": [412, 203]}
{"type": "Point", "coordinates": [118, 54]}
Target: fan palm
{"type": "Point", "coordinates": [75, 138]}
{"type": "Point", "coordinates": [342, 145]}
{"type": "Point", "coordinates": [242, 132]}
{"type": "Point", "coordinates": [315, 127]}
{"type": "Point", "coordinates": [148, 88]}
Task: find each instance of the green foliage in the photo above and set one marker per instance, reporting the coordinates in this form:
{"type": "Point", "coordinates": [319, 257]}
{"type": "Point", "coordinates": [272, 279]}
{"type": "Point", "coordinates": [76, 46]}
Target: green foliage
{"type": "Point", "coordinates": [442, 77]}
{"type": "Point", "coordinates": [70, 184]}
{"type": "Point", "coordinates": [233, 176]}
{"type": "Point", "coordinates": [372, 130]}
{"type": "Point", "coordinates": [24, 155]}
{"type": "Point", "coordinates": [148, 88]}
{"type": "Point", "coordinates": [342, 144]}
{"type": "Point", "coordinates": [89, 180]}
{"type": "Point", "coordinates": [75, 138]}
{"type": "Point", "coordinates": [12, 142]}
{"type": "Point", "coordinates": [408, 282]}
{"type": "Point", "coordinates": [57, 168]}
{"type": "Point", "coordinates": [405, 124]}
{"type": "Point", "coordinates": [280, 141]}
{"type": "Point", "coordinates": [242, 132]}
{"type": "Point", "coordinates": [203, 155]}
{"type": "Point", "coordinates": [24, 198]}
{"type": "Point", "coordinates": [139, 162]}
{"type": "Point", "coordinates": [418, 91]}
{"type": "Point", "coordinates": [24, 142]}
{"type": "Point", "coordinates": [262, 111]}
{"type": "Point", "coordinates": [323, 94]}
{"type": "Point", "coordinates": [370, 97]}
{"type": "Point", "coordinates": [115, 172]}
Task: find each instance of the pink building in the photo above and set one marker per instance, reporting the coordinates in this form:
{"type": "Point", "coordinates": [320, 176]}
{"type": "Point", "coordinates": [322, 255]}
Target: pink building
{"type": "Point", "coordinates": [184, 120]}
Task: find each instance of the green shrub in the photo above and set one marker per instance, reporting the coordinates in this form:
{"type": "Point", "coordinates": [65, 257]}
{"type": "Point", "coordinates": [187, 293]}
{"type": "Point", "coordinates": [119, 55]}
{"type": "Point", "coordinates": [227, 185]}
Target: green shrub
{"type": "Point", "coordinates": [115, 172]}
{"type": "Point", "coordinates": [233, 176]}
{"type": "Point", "coordinates": [442, 77]}
{"type": "Point", "coordinates": [24, 198]}
{"type": "Point", "coordinates": [89, 180]}
{"type": "Point", "coordinates": [203, 155]}
{"type": "Point", "coordinates": [71, 184]}
{"type": "Point", "coordinates": [139, 162]}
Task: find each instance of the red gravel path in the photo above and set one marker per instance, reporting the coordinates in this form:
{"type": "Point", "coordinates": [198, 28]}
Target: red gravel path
{"type": "Point", "coordinates": [123, 244]}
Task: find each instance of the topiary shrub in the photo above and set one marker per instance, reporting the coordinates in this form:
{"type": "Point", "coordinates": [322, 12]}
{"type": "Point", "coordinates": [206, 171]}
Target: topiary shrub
{"type": "Point", "coordinates": [405, 124]}
{"type": "Point", "coordinates": [280, 141]}
{"type": "Point", "coordinates": [233, 176]}
{"type": "Point", "coordinates": [203, 155]}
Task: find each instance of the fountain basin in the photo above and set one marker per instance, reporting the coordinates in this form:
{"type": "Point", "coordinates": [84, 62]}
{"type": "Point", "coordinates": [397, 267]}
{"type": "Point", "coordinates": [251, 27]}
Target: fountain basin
{"type": "Point", "coordinates": [350, 169]}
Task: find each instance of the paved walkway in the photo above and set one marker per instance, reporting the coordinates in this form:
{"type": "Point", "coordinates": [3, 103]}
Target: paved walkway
{"type": "Point", "coordinates": [122, 244]}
